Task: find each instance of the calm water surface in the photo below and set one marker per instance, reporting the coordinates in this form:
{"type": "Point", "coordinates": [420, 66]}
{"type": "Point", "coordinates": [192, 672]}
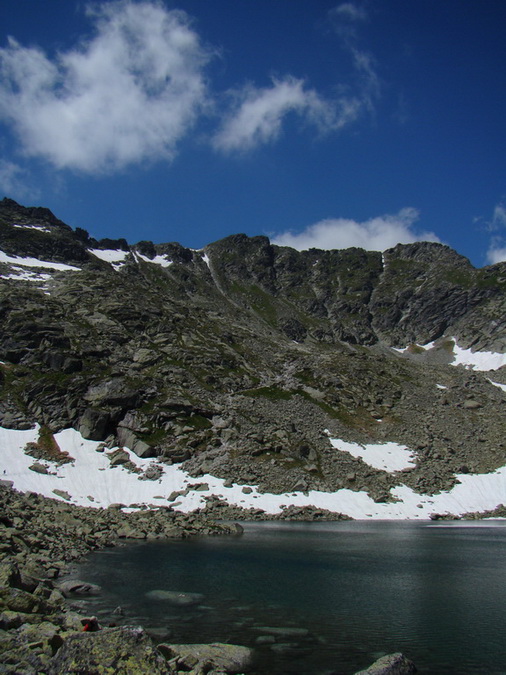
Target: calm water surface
{"type": "Point", "coordinates": [435, 592]}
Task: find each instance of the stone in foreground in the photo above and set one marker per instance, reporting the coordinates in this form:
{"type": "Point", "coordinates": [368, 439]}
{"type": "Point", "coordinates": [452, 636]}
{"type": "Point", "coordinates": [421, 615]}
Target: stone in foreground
{"type": "Point", "coordinates": [121, 651]}
{"type": "Point", "coordinates": [217, 656]}
{"type": "Point", "coordinates": [391, 664]}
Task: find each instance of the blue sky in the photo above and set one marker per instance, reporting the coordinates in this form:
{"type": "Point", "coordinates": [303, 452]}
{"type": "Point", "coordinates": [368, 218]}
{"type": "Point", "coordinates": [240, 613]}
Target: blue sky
{"type": "Point", "coordinates": [318, 123]}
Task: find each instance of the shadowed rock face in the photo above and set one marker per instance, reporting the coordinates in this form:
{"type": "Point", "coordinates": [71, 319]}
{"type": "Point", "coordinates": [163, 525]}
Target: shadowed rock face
{"type": "Point", "coordinates": [236, 358]}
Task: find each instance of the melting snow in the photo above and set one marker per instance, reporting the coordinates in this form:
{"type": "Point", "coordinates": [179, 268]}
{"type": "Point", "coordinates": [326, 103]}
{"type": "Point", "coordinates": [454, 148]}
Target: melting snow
{"type": "Point", "coordinates": [482, 361]}
{"type": "Point", "coordinates": [157, 260]}
{"type": "Point", "coordinates": [20, 274]}
{"type": "Point", "coordinates": [478, 360]}
{"type": "Point", "coordinates": [40, 228]}
{"type": "Point", "coordinates": [384, 456]}
{"type": "Point", "coordinates": [498, 384]}
{"type": "Point", "coordinates": [109, 255]}
{"type": "Point", "coordinates": [34, 262]}
{"type": "Point", "coordinates": [91, 481]}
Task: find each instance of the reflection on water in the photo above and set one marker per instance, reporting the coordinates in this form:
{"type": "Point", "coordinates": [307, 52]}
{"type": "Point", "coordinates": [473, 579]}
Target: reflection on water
{"type": "Point", "coordinates": [359, 590]}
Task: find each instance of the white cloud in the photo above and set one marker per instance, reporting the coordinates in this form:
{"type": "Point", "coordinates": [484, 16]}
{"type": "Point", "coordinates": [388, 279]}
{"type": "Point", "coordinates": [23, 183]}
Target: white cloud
{"type": "Point", "coordinates": [376, 234]}
{"type": "Point", "coordinates": [497, 250]}
{"type": "Point", "coordinates": [499, 217]}
{"type": "Point", "coordinates": [496, 255]}
{"type": "Point", "coordinates": [128, 94]}
{"type": "Point", "coordinates": [258, 114]}
{"type": "Point", "coordinates": [349, 11]}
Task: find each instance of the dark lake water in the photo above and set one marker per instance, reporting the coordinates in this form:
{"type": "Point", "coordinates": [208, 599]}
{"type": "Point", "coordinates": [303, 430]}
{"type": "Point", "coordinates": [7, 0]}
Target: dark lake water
{"type": "Point", "coordinates": [360, 590]}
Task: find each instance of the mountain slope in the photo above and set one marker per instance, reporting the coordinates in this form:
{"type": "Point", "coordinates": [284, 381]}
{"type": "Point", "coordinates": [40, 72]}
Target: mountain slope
{"type": "Point", "coordinates": [243, 360]}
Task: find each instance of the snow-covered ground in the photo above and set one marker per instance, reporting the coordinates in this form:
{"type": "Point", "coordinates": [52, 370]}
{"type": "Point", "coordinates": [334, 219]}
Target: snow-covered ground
{"type": "Point", "coordinates": [384, 456]}
{"type": "Point", "coordinates": [498, 384]}
{"type": "Point", "coordinates": [90, 481]}
{"type": "Point", "coordinates": [35, 262]}
{"type": "Point", "coordinates": [161, 260]}
{"type": "Point", "coordinates": [483, 361]}
{"type": "Point", "coordinates": [115, 257]}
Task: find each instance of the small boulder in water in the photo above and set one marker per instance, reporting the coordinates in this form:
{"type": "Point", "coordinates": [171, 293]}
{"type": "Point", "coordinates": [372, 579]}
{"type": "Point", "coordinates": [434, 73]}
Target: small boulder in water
{"type": "Point", "coordinates": [176, 597]}
{"type": "Point", "coordinates": [223, 658]}
{"type": "Point", "coordinates": [391, 664]}
{"type": "Point", "coordinates": [78, 587]}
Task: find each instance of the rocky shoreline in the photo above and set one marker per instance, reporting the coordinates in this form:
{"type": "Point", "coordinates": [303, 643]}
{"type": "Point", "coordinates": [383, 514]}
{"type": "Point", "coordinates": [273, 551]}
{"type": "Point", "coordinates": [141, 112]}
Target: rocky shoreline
{"type": "Point", "coordinates": [40, 631]}
{"type": "Point", "coordinates": [39, 537]}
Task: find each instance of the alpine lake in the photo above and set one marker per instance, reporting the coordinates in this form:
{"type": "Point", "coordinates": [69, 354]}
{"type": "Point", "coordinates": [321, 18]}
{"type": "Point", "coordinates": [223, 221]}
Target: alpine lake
{"type": "Point", "coordinates": [320, 598]}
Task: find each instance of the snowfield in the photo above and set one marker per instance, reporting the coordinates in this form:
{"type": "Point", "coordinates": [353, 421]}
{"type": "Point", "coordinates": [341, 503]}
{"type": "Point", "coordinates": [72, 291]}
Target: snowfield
{"type": "Point", "coordinates": [90, 480]}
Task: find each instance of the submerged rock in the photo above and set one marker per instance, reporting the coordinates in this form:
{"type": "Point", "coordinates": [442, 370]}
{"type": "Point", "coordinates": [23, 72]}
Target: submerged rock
{"type": "Point", "coordinates": [216, 656]}
{"type": "Point", "coordinates": [391, 664]}
{"type": "Point", "coordinates": [176, 597]}
{"type": "Point", "coordinates": [78, 587]}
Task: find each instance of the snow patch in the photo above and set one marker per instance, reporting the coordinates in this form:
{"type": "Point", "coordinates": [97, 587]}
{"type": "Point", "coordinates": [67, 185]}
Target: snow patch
{"type": "Point", "coordinates": [498, 384]}
{"type": "Point", "coordinates": [384, 456]}
{"type": "Point", "coordinates": [40, 228]}
{"type": "Point", "coordinates": [157, 260]}
{"type": "Point", "coordinates": [20, 274]}
{"type": "Point", "coordinates": [109, 255]}
{"type": "Point", "coordinates": [34, 262]}
{"type": "Point", "coordinates": [91, 481]}
{"type": "Point", "coordinates": [479, 360]}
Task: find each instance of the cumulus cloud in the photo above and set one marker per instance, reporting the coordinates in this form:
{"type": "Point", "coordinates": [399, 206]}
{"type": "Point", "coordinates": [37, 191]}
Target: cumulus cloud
{"type": "Point", "coordinates": [257, 114]}
{"type": "Point", "coordinates": [497, 250]}
{"type": "Point", "coordinates": [127, 94]}
{"type": "Point", "coordinates": [376, 234]}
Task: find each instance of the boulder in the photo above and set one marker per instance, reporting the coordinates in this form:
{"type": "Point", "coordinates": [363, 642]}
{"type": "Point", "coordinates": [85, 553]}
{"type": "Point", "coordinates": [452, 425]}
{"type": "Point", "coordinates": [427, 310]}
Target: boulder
{"type": "Point", "coordinates": [17, 600]}
{"type": "Point", "coordinates": [175, 597]}
{"type": "Point", "coordinates": [127, 438]}
{"type": "Point", "coordinates": [216, 656]}
{"type": "Point", "coordinates": [9, 574]}
{"type": "Point", "coordinates": [118, 457]}
{"type": "Point", "coordinates": [122, 651]}
{"type": "Point", "coordinates": [391, 664]}
{"type": "Point", "coordinates": [78, 587]}
{"type": "Point", "coordinates": [94, 424]}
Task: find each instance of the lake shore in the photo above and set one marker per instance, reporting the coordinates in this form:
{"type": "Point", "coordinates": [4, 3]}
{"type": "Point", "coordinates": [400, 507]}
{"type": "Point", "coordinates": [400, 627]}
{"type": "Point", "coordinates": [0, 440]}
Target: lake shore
{"type": "Point", "coordinates": [39, 537]}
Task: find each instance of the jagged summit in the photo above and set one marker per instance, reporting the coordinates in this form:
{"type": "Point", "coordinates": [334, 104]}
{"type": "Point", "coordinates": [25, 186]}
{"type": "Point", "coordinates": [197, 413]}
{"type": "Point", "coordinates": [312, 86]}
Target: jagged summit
{"type": "Point", "coordinates": [244, 358]}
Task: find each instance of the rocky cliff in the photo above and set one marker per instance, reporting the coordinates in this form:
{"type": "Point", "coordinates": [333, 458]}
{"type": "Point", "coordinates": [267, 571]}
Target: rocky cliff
{"type": "Point", "coordinates": [242, 359]}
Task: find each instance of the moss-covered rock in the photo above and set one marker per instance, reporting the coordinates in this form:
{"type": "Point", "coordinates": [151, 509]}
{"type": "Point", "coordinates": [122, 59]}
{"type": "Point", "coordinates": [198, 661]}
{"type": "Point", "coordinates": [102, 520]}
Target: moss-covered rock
{"type": "Point", "coordinates": [112, 651]}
